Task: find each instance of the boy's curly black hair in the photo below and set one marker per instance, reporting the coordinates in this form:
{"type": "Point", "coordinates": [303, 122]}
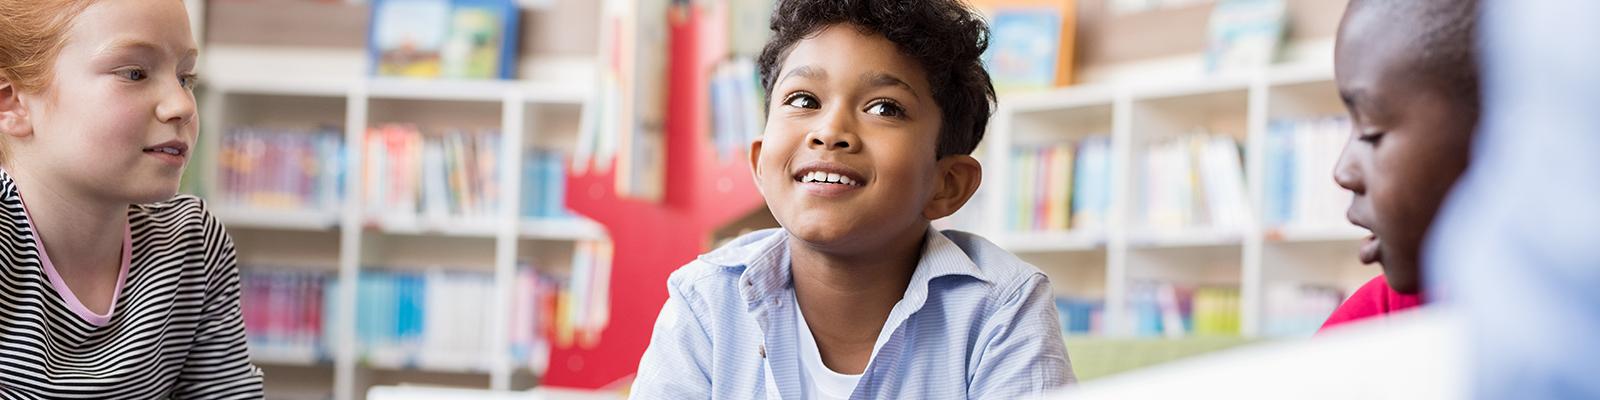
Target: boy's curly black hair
{"type": "Point", "coordinates": [945, 37]}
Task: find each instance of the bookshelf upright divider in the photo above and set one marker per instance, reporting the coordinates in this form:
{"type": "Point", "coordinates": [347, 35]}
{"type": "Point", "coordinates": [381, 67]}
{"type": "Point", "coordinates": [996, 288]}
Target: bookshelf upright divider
{"type": "Point", "coordinates": [350, 232]}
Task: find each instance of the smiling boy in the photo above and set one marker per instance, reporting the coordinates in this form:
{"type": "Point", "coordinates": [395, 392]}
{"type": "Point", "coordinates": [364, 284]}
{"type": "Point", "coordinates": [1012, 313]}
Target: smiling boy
{"type": "Point", "coordinates": [874, 110]}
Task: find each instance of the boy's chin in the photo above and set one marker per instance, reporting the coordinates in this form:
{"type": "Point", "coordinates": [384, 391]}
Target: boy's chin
{"type": "Point", "coordinates": [820, 237]}
{"type": "Point", "coordinates": [1403, 277]}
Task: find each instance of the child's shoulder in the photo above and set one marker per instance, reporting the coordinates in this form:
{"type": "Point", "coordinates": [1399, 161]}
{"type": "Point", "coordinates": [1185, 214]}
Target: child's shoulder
{"type": "Point", "coordinates": [724, 265]}
{"type": "Point", "coordinates": [997, 265]}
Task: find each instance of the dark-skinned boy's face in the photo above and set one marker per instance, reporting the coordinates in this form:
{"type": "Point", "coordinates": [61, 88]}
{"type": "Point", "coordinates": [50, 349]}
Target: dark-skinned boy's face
{"type": "Point", "coordinates": [1410, 141]}
{"type": "Point", "coordinates": [847, 161]}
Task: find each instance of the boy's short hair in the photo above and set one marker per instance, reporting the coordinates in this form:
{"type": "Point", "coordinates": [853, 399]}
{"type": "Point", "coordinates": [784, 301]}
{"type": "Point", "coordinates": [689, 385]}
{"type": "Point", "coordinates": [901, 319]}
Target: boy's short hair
{"type": "Point", "coordinates": [945, 37]}
{"type": "Point", "coordinates": [1446, 45]}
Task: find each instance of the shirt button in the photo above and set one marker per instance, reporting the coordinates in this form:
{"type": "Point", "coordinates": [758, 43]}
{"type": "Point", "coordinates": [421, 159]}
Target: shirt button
{"type": "Point", "coordinates": [762, 349]}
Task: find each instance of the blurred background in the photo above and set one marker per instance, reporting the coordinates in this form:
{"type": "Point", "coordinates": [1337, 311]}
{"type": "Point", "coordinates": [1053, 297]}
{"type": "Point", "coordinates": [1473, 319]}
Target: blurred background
{"type": "Point", "coordinates": [490, 194]}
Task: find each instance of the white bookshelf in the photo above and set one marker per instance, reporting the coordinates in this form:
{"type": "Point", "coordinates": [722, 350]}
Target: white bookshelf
{"type": "Point", "coordinates": [1134, 112]}
{"type": "Point", "coordinates": [347, 239]}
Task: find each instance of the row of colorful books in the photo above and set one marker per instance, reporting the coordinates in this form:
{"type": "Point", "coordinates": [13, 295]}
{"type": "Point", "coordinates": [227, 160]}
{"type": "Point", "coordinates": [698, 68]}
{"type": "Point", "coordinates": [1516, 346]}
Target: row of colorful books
{"type": "Point", "coordinates": [435, 317]}
{"type": "Point", "coordinates": [409, 174]}
{"type": "Point", "coordinates": [1080, 316]}
{"type": "Point", "coordinates": [1061, 186]}
{"type": "Point", "coordinates": [737, 110]}
{"type": "Point", "coordinates": [1193, 181]}
{"type": "Point", "coordinates": [560, 310]}
{"type": "Point", "coordinates": [1298, 309]}
{"type": "Point", "coordinates": [281, 169]}
{"type": "Point", "coordinates": [1299, 186]}
{"type": "Point", "coordinates": [1173, 310]}
{"type": "Point", "coordinates": [288, 312]}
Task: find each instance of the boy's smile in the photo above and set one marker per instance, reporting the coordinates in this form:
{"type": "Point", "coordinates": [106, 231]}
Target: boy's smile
{"type": "Point", "coordinates": [829, 179]}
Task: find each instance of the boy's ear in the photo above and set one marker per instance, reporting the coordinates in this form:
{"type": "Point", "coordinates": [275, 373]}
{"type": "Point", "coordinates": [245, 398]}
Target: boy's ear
{"type": "Point", "coordinates": [755, 162]}
{"type": "Point", "coordinates": [959, 177]}
{"type": "Point", "coordinates": [13, 113]}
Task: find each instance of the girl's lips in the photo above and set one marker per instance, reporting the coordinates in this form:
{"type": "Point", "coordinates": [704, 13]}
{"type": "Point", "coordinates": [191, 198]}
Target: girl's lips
{"type": "Point", "coordinates": [1371, 249]}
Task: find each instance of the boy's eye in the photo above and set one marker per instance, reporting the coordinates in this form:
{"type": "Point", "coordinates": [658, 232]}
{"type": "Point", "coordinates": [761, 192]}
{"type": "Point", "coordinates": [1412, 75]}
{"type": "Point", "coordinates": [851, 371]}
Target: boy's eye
{"type": "Point", "coordinates": [886, 108]}
{"type": "Point", "coordinates": [801, 100]}
{"type": "Point", "coordinates": [1370, 138]}
{"type": "Point", "coordinates": [133, 74]}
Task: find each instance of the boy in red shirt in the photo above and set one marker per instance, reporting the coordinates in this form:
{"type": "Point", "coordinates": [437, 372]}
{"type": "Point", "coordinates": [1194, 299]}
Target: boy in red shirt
{"type": "Point", "coordinates": [1407, 74]}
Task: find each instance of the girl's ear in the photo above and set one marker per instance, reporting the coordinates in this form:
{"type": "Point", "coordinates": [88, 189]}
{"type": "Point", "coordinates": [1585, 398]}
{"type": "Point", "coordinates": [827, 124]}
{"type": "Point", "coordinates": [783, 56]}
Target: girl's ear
{"type": "Point", "coordinates": [13, 113]}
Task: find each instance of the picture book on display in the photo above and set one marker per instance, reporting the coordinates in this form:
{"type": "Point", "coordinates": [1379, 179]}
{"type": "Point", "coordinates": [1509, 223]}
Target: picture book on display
{"type": "Point", "coordinates": [1244, 34]}
{"type": "Point", "coordinates": [1030, 43]}
{"type": "Point", "coordinates": [457, 39]}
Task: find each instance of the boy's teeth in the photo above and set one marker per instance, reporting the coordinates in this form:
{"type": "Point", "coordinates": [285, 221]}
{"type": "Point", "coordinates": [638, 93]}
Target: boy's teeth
{"type": "Point", "coordinates": [824, 177]}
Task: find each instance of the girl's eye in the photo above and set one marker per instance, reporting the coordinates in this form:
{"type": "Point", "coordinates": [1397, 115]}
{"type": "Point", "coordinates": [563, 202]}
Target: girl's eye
{"type": "Point", "coordinates": [886, 109]}
{"type": "Point", "coordinates": [801, 100]}
{"type": "Point", "coordinates": [133, 74]}
{"type": "Point", "coordinates": [188, 81]}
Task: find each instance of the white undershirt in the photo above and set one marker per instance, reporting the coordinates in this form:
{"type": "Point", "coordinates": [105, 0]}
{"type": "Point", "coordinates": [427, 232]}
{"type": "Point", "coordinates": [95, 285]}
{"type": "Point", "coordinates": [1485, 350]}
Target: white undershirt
{"type": "Point", "coordinates": [817, 380]}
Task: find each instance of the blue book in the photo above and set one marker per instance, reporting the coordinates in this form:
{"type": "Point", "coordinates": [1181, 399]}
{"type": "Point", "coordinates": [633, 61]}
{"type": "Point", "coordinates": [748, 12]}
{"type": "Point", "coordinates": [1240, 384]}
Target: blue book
{"type": "Point", "coordinates": [1279, 180]}
{"type": "Point", "coordinates": [1091, 199]}
{"type": "Point", "coordinates": [555, 186]}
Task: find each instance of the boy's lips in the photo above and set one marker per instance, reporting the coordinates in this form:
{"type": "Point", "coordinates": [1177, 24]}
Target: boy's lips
{"type": "Point", "coordinates": [1371, 246]}
{"type": "Point", "coordinates": [828, 179]}
{"type": "Point", "coordinates": [1371, 249]}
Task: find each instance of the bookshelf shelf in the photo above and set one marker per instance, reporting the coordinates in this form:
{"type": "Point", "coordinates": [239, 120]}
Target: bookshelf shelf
{"type": "Point", "coordinates": [287, 356]}
{"type": "Point", "coordinates": [1049, 242]}
{"type": "Point", "coordinates": [475, 366]}
{"type": "Point", "coordinates": [1315, 234]}
{"type": "Point", "coordinates": [278, 219]}
{"type": "Point", "coordinates": [469, 227]}
{"type": "Point", "coordinates": [1185, 238]}
{"type": "Point", "coordinates": [561, 229]}
{"type": "Point", "coordinates": [442, 90]}
{"type": "Point", "coordinates": [277, 86]}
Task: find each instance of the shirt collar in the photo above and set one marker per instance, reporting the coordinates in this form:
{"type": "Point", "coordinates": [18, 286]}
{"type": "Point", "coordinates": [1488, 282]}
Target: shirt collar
{"type": "Point", "coordinates": [764, 255]}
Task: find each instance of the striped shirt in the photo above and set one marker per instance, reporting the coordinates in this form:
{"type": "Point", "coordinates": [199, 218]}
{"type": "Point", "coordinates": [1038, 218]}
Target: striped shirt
{"type": "Point", "coordinates": [174, 328]}
{"type": "Point", "coordinates": [975, 322]}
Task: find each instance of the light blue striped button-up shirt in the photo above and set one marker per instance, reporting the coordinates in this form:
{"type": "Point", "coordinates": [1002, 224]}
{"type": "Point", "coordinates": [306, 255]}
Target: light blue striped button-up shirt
{"type": "Point", "coordinates": [975, 322]}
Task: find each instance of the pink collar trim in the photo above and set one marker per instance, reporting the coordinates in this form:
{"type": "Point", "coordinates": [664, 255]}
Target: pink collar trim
{"type": "Point", "coordinates": [60, 285]}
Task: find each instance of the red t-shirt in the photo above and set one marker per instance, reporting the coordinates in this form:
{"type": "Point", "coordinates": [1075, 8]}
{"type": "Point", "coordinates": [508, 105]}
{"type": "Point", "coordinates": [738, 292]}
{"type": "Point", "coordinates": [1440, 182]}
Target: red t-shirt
{"type": "Point", "coordinates": [1372, 300]}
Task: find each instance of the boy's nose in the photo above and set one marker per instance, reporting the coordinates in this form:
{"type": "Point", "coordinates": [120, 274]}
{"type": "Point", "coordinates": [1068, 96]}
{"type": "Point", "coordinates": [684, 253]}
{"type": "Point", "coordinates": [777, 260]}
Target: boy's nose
{"type": "Point", "coordinates": [1347, 172]}
{"type": "Point", "coordinates": [833, 139]}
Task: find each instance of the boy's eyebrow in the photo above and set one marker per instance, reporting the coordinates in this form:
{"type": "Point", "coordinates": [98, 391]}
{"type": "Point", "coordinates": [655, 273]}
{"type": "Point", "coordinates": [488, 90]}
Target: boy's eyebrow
{"type": "Point", "coordinates": [1350, 97]}
{"type": "Point", "coordinates": [807, 71]}
{"type": "Point", "coordinates": [881, 79]}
